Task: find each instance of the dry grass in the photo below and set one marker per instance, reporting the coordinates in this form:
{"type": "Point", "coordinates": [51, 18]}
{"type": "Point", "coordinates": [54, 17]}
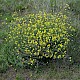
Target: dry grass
{"type": "Point", "coordinates": [44, 73]}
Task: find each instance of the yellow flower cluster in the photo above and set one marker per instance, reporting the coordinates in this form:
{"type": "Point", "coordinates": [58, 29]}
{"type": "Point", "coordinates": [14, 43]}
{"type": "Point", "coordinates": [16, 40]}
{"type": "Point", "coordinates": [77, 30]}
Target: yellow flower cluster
{"type": "Point", "coordinates": [40, 35]}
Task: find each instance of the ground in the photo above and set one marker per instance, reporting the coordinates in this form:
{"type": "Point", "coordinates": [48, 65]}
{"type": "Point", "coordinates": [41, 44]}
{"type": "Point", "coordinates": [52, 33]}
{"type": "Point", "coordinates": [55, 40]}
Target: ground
{"type": "Point", "coordinates": [43, 73]}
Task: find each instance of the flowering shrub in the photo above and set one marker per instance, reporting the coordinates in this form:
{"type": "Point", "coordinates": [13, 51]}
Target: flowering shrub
{"type": "Point", "coordinates": [36, 36]}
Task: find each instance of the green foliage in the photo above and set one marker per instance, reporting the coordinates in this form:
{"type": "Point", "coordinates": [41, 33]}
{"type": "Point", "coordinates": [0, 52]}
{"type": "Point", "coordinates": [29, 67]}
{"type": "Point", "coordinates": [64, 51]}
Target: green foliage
{"type": "Point", "coordinates": [37, 36]}
{"type": "Point", "coordinates": [75, 6]}
{"type": "Point", "coordinates": [2, 34]}
{"type": "Point", "coordinates": [19, 77]}
{"type": "Point", "coordinates": [3, 61]}
{"type": "Point", "coordinates": [3, 64]}
{"type": "Point", "coordinates": [18, 5]}
{"type": "Point", "coordinates": [74, 47]}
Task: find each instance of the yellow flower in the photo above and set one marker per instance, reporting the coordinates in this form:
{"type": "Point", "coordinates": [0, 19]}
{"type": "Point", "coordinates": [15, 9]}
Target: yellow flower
{"type": "Point", "coordinates": [61, 45]}
{"type": "Point", "coordinates": [54, 38]}
{"type": "Point", "coordinates": [16, 42]}
{"type": "Point", "coordinates": [6, 19]}
{"type": "Point", "coordinates": [18, 45]}
{"type": "Point", "coordinates": [59, 56]}
{"type": "Point", "coordinates": [35, 53]}
{"type": "Point", "coordinates": [28, 24]}
{"type": "Point", "coordinates": [48, 45]}
{"type": "Point", "coordinates": [54, 56]}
